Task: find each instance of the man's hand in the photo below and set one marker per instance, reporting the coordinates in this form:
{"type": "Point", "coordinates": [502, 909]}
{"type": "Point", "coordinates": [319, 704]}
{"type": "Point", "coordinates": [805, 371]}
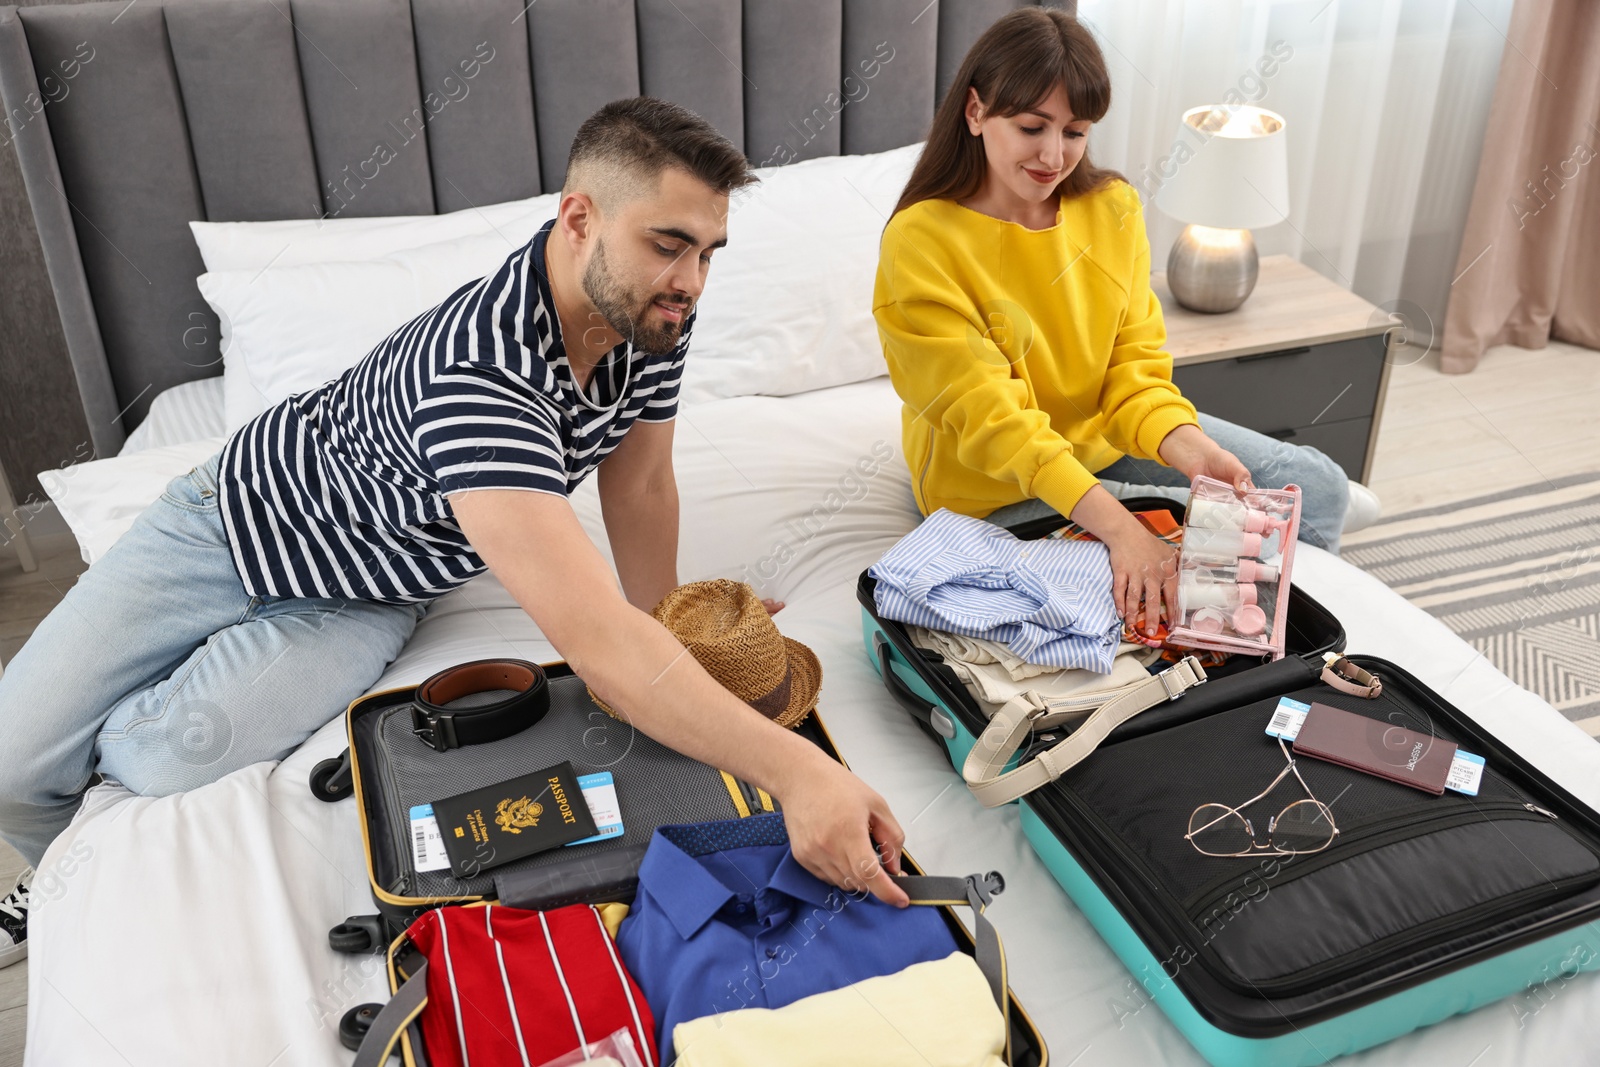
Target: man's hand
{"type": "Point", "coordinates": [1188, 449]}
{"type": "Point", "coordinates": [537, 548]}
{"type": "Point", "coordinates": [842, 831]}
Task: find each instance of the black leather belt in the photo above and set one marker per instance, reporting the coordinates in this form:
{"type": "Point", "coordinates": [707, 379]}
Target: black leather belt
{"type": "Point", "coordinates": [444, 728]}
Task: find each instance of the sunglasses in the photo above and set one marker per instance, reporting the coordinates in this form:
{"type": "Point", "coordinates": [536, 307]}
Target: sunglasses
{"type": "Point", "coordinates": [1301, 827]}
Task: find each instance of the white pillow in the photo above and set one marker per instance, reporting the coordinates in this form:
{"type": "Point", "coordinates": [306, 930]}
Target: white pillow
{"type": "Point", "coordinates": [263, 246]}
{"type": "Point", "coordinates": [289, 329]}
{"type": "Point", "coordinates": [788, 304]}
{"type": "Point", "coordinates": [787, 307]}
{"type": "Point", "coordinates": [100, 499]}
{"type": "Point", "coordinates": [293, 242]}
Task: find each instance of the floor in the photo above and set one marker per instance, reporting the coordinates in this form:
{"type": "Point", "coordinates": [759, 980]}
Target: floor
{"type": "Point", "coordinates": [1523, 415]}
{"type": "Point", "coordinates": [13, 980]}
{"type": "Point", "coordinates": [25, 599]}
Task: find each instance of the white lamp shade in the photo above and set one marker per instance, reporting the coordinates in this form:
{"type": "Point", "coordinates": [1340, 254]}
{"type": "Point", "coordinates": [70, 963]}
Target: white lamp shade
{"type": "Point", "coordinates": [1238, 176]}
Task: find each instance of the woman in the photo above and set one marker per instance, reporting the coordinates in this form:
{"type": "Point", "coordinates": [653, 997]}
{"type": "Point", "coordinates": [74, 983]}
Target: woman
{"type": "Point", "coordinates": [1014, 304]}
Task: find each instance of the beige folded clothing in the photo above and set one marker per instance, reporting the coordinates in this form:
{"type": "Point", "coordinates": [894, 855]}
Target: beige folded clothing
{"type": "Point", "coordinates": [994, 674]}
{"type": "Point", "coordinates": [936, 1014]}
{"type": "Point", "coordinates": [977, 651]}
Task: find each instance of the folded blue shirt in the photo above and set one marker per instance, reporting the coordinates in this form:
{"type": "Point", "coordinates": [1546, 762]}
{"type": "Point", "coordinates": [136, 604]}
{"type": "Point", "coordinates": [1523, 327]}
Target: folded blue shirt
{"type": "Point", "coordinates": [726, 918]}
{"type": "Point", "coordinates": [1049, 601]}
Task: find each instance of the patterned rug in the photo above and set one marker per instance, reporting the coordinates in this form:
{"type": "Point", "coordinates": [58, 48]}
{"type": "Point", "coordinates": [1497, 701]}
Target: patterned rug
{"type": "Point", "coordinates": [1516, 574]}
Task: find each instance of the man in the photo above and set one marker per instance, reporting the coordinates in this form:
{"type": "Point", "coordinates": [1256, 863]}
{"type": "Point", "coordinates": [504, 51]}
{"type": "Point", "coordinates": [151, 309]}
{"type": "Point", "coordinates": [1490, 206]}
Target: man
{"type": "Point", "coordinates": [270, 586]}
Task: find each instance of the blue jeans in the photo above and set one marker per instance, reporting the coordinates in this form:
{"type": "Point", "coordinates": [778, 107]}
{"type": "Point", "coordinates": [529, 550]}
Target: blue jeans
{"type": "Point", "coordinates": [159, 668]}
{"type": "Point", "coordinates": [1273, 464]}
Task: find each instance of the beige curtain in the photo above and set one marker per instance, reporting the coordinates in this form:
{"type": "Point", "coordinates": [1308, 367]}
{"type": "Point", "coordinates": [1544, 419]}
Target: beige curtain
{"type": "Point", "coordinates": [1529, 268]}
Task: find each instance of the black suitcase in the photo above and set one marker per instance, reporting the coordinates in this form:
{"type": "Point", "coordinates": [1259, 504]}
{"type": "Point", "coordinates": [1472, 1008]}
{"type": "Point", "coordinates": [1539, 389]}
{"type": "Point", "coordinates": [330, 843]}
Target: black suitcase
{"type": "Point", "coordinates": [388, 769]}
{"type": "Point", "coordinates": [1422, 907]}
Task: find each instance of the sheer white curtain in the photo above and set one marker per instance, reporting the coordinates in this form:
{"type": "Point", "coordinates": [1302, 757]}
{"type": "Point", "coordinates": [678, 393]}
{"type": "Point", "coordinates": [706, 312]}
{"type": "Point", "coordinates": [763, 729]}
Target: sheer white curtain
{"type": "Point", "coordinates": [1385, 101]}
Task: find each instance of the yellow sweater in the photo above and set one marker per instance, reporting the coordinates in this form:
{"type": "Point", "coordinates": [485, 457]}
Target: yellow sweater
{"type": "Point", "coordinates": [1026, 359]}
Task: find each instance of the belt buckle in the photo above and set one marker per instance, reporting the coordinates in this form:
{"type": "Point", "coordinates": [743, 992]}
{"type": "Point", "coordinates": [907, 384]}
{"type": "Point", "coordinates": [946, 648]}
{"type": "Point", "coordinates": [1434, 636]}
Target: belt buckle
{"type": "Point", "coordinates": [437, 730]}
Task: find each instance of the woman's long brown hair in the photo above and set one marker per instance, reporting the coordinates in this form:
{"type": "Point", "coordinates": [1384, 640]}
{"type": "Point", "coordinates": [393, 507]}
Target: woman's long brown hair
{"type": "Point", "coordinates": [1015, 64]}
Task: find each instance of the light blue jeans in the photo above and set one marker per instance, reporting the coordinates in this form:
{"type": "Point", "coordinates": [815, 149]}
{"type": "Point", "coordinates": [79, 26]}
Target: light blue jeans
{"type": "Point", "coordinates": [159, 669]}
{"type": "Point", "coordinates": [1273, 464]}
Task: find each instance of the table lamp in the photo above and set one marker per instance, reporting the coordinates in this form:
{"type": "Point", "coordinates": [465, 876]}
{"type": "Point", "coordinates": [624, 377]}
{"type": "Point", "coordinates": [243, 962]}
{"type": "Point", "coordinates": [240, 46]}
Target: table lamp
{"type": "Point", "coordinates": [1238, 178]}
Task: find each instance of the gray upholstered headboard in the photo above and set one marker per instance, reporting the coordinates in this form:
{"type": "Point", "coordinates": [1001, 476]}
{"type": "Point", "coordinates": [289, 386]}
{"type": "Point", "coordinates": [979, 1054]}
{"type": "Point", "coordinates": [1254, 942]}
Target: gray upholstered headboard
{"type": "Point", "coordinates": [133, 118]}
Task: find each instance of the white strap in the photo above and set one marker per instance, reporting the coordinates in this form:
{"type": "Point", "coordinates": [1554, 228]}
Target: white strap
{"type": "Point", "coordinates": [1014, 723]}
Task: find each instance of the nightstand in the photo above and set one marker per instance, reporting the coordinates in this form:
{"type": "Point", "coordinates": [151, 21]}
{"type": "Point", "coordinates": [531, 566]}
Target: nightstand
{"type": "Point", "coordinates": [1302, 360]}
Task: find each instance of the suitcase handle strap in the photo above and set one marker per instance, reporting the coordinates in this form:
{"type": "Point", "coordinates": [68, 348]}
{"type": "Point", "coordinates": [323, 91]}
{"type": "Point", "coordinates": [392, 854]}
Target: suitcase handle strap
{"type": "Point", "coordinates": [975, 891]}
{"type": "Point", "coordinates": [1014, 723]}
{"type": "Point", "coordinates": [401, 1011]}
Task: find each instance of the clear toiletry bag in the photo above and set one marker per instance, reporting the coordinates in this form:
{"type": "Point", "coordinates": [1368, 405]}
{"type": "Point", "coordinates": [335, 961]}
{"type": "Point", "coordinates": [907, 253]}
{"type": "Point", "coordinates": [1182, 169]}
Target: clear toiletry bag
{"type": "Point", "coordinates": [1234, 566]}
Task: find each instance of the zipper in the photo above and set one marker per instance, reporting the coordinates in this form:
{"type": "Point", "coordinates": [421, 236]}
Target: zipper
{"type": "Point", "coordinates": [399, 825]}
{"type": "Point", "coordinates": [1376, 836]}
{"type": "Point", "coordinates": [1442, 929]}
{"type": "Point", "coordinates": [1397, 827]}
{"type": "Point", "coordinates": [752, 799]}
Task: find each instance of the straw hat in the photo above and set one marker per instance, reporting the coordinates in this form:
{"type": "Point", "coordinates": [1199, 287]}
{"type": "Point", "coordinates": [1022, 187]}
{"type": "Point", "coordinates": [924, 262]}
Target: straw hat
{"type": "Point", "coordinates": [725, 627]}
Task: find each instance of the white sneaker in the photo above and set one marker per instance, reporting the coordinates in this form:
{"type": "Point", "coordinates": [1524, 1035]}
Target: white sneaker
{"type": "Point", "coordinates": [14, 921]}
{"type": "Point", "coordinates": [1364, 509]}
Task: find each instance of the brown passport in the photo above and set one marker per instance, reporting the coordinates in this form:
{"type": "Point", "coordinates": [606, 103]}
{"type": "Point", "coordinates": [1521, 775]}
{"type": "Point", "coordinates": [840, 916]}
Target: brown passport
{"type": "Point", "coordinates": [1376, 747]}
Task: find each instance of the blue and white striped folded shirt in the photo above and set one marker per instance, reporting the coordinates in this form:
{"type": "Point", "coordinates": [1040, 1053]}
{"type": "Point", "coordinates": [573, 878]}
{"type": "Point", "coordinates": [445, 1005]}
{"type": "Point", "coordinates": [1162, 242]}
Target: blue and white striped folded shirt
{"type": "Point", "coordinates": [340, 491]}
{"type": "Point", "coordinates": [1048, 601]}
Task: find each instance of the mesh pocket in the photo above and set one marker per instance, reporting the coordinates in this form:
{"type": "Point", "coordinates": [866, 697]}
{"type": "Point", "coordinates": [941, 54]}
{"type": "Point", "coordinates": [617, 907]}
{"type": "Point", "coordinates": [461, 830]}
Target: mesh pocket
{"type": "Point", "coordinates": [656, 786]}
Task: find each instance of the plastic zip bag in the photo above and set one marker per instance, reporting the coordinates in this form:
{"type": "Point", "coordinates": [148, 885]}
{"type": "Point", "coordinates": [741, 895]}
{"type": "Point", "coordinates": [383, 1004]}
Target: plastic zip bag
{"type": "Point", "coordinates": [616, 1050]}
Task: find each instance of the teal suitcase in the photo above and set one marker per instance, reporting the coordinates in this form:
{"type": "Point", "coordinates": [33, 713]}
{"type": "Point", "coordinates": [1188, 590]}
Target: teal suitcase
{"type": "Point", "coordinates": [1422, 908]}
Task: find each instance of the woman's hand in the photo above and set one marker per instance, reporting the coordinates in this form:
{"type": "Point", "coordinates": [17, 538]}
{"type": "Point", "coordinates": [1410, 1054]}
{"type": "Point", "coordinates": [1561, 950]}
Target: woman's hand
{"type": "Point", "coordinates": [1144, 571]}
{"type": "Point", "coordinates": [1144, 568]}
{"type": "Point", "coordinates": [1189, 450]}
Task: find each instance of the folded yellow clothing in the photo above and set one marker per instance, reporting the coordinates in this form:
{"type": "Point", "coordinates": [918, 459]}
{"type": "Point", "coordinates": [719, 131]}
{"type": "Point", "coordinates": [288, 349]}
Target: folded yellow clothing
{"type": "Point", "coordinates": [935, 1014]}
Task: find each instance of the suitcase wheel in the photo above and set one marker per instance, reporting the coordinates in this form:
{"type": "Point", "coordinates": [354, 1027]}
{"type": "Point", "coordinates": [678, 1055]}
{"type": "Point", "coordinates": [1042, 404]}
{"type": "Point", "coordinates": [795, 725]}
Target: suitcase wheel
{"type": "Point", "coordinates": [357, 934]}
{"type": "Point", "coordinates": [331, 779]}
{"type": "Point", "coordinates": [356, 1022]}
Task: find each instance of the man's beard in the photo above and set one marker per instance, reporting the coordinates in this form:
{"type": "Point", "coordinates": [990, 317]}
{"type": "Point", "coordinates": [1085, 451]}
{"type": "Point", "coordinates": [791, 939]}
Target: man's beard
{"type": "Point", "coordinates": [625, 312]}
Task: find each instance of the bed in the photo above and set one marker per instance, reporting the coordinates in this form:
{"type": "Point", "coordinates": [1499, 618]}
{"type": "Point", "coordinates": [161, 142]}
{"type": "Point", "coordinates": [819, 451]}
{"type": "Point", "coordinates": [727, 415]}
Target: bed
{"type": "Point", "coordinates": [192, 928]}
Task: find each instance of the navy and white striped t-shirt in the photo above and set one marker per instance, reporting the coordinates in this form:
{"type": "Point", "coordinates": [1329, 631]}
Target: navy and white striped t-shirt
{"type": "Point", "coordinates": [339, 491]}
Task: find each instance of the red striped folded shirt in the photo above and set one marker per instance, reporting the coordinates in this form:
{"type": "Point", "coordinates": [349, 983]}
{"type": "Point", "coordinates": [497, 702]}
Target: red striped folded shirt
{"type": "Point", "coordinates": [509, 987]}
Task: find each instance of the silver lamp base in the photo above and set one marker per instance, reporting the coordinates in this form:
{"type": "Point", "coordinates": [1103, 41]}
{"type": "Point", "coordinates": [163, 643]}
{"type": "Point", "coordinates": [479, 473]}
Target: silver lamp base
{"type": "Point", "coordinates": [1212, 270]}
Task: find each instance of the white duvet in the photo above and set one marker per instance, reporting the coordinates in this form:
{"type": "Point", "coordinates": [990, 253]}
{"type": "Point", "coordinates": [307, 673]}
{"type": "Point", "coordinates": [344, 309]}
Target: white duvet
{"type": "Point", "coordinates": [192, 929]}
